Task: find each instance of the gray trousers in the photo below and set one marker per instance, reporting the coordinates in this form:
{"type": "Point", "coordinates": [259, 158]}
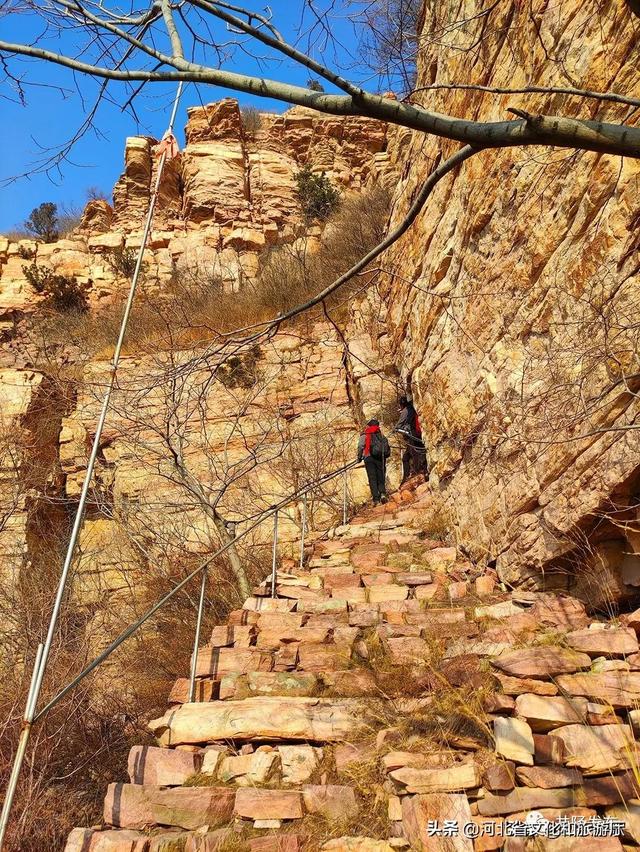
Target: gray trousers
{"type": "Point", "coordinates": [375, 474]}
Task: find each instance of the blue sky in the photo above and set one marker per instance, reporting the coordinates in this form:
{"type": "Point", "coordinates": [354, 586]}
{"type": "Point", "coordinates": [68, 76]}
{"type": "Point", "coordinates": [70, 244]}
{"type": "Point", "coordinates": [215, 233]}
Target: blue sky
{"type": "Point", "coordinates": [50, 118]}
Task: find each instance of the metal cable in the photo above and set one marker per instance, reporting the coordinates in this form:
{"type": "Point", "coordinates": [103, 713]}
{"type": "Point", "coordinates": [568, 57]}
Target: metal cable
{"type": "Point", "coordinates": [42, 658]}
{"type": "Point", "coordinates": [131, 629]}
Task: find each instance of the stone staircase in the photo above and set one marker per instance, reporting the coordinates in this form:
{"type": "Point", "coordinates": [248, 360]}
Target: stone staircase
{"type": "Point", "coordinates": [388, 697]}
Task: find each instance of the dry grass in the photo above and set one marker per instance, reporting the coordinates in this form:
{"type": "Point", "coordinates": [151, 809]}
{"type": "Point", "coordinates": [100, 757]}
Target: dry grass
{"type": "Point", "coordinates": [453, 721]}
{"type": "Point", "coordinates": [291, 274]}
{"type": "Point", "coordinates": [201, 779]}
{"type": "Point", "coordinates": [370, 821]}
{"type": "Point", "coordinates": [453, 717]}
{"type": "Point", "coordinates": [83, 744]}
{"type": "Point", "coordinates": [194, 307]}
{"type": "Point", "coordinates": [439, 522]}
{"type": "Point", "coordinates": [251, 120]}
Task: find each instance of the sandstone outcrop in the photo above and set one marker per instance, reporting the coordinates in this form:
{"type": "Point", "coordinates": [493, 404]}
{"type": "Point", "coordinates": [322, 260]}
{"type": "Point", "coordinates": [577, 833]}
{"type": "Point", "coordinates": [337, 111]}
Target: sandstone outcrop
{"type": "Point", "coordinates": [227, 196]}
{"type": "Point", "coordinates": [498, 311]}
{"type": "Point", "coordinates": [301, 772]}
{"type": "Point", "coordinates": [415, 663]}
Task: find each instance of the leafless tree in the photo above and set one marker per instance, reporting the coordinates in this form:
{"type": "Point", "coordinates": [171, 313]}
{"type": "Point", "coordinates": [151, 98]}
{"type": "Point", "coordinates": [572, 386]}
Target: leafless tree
{"type": "Point", "coordinates": [198, 40]}
{"type": "Point", "coordinates": [389, 40]}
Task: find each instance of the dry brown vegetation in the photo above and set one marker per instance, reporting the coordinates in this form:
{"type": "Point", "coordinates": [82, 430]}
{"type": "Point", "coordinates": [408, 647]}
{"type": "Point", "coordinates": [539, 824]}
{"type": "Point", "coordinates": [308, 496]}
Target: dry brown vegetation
{"type": "Point", "coordinates": [194, 308]}
{"type": "Point", "coordinates": [82, 744]}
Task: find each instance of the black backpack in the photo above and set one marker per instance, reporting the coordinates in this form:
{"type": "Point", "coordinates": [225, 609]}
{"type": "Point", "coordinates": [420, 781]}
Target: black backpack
{"type": "Point", "coordinates": [379, 446]}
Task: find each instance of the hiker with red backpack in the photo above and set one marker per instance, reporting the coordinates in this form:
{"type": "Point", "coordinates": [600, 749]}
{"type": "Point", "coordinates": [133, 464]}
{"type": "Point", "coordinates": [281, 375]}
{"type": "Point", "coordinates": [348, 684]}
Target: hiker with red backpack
{"type": "Point", "coordinates": [414, 457]}
{"type": "Point", "coordinates": [374, 450]}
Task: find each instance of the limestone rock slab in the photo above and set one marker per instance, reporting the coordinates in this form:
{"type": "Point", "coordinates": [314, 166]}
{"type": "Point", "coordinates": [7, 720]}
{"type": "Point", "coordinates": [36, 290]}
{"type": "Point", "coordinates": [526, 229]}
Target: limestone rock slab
{"type": "Point", "coordinates": [525, 799]}
{"type": "Point", "coordinates": [332, 801]}
{"type": "Point", "coordinates": [546, 712]}
{"type": "Point", "coordinates": [161, 767]}
{"type": "Point", "coordinates": [609, 641]}
{"type": "Point", "coordinates": [620, 689]}
{"type": "Point", "coordinates": [514, 740]}
{"type": "Point", "coordinates": [596, 750]}
{"type": "Point", "coordinates": [252, 803]}
{"type": "Point", "coordinates": [418, 810]}
{"type": "Point", "coordinates": [463, 777]}
{"type": "Point", "coordinates": [541, 662]}
{"type": "Point", "coordinates": [137, 806]}
{"type": "Point", "coordinates": [314, 719]}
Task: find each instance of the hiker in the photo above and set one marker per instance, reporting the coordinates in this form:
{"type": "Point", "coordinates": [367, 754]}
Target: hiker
{"type": "Point", "coordinates": [414, 457]}
{"type": "Point", "coordinates": [374, 449]}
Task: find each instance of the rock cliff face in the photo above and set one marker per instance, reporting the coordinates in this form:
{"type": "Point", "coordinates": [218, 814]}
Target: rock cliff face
{"type": "Point", "coordinates": [390, 679]}
{"type": "Point", "coordinates": [175, 448]}
{"type": "Point", "coordinates": [511, 306]}
{"type": "Point", "coordinates": [247, 434]}
{"type": "Point", "coordinates": [225, 198]}
{"type": "Point", "coordinates": [509, 309]}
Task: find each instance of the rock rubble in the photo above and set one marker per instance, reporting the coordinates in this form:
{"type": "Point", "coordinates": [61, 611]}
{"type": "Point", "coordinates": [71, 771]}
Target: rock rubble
{"type": "Point", "coordinates": [372, 724]}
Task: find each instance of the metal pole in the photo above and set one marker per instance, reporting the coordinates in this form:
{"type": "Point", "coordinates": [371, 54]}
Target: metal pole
{"type": "Point", "coordinates": [274, 555]}
{"type": "Point", "coordinates": [196, 638]}
{"type": "Point", "coordinates": [39, 670]}
{"type": "Point", "coordinates": [344, 500]}
{"type": "Point", "coordinates": [304, 528]}
{"type": "Point", "coordinates": [22, 747]}
{"type": "Point", "coordinates": [131, 629]}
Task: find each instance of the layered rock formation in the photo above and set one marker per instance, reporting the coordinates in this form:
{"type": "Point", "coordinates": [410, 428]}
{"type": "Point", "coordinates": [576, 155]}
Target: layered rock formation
{"type": "Point", "coordinates": [250, 431]}
{"type": "Point", "coordinates": [390, 696]}
{"type": "Point", "coordinates": [509, 308]}
{"type": "Point", "coordinates": [18, 391]}
{"type": "Point", "coordinates": [183, 440]}
{"type": "Point", "coordinates": [224, 199]}
{"type": "Point", "coordinates": [511, 304]}
{"type": "Point", "coordinates": [392, 680]}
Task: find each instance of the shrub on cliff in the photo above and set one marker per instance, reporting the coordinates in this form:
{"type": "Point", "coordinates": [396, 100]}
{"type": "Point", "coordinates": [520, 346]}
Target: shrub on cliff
{"type": "Point", "coordinates": [251, 120]}
{"type": "Point", "coordinates": [317, 196]}
{"type": "Point", "coordinates": [240, 371]}
{"type": "Point", "coordinates": [291, 274]}
{"type": "Point", "coordinates": [62, 293]}
{"type": "Point", "coordinates": [122, 261]}
{"type": "Point", "coordinates": [43, 222]}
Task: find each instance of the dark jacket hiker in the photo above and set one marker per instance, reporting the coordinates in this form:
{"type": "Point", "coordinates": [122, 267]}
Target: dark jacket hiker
{"type": "Point", "coordinates": [374, 450]}
{"type": "Point", "coordinates": [414, 457]}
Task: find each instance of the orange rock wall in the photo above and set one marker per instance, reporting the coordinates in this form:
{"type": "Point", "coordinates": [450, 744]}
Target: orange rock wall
{"type": "Point", "coordinates": [510, 305]}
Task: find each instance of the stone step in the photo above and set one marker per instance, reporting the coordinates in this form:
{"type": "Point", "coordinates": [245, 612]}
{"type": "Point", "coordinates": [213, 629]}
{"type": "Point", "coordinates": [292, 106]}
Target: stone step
{"type": "Point", "coordinates": [264, 718]}
{"type": "Point", "coordinates": [138, 806]}
{"type": "Point", "coordinates": [390, 670]}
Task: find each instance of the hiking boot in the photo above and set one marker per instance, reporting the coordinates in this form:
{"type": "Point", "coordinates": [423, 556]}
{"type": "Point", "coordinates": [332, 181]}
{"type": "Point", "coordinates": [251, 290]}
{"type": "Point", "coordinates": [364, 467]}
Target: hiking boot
{"type": "Point", "coordinates": [376, 502]}
{"type": "Point", "coordinates": [384, 498]}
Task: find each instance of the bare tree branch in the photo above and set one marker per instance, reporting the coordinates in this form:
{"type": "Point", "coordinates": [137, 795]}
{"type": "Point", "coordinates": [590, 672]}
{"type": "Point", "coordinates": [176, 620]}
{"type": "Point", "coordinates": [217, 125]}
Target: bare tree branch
{"type": "Point", "coordinates": [561, 131]}
{"type": "Point", "coordinates": [612, 97]}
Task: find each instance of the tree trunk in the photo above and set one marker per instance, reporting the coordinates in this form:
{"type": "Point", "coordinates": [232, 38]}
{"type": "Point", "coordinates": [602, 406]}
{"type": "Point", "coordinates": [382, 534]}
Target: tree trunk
{"type": "Point", "coordinates": [232, 554]}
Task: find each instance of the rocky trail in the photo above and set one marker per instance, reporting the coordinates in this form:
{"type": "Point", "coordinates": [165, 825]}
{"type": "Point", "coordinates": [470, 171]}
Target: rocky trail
{"type": "Point", "coordinates": [391, 686]}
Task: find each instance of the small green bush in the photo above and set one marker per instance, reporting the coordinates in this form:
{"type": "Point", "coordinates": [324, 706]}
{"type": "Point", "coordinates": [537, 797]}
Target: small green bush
{"type": "Point", "coordinates": [26, 253]}
{"type": "Point", "coordinates": [316, 194]}
{"type": "Point", "coordinates": [61, 292]}
{"type": "Point", "coordinates": [43, 222]}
